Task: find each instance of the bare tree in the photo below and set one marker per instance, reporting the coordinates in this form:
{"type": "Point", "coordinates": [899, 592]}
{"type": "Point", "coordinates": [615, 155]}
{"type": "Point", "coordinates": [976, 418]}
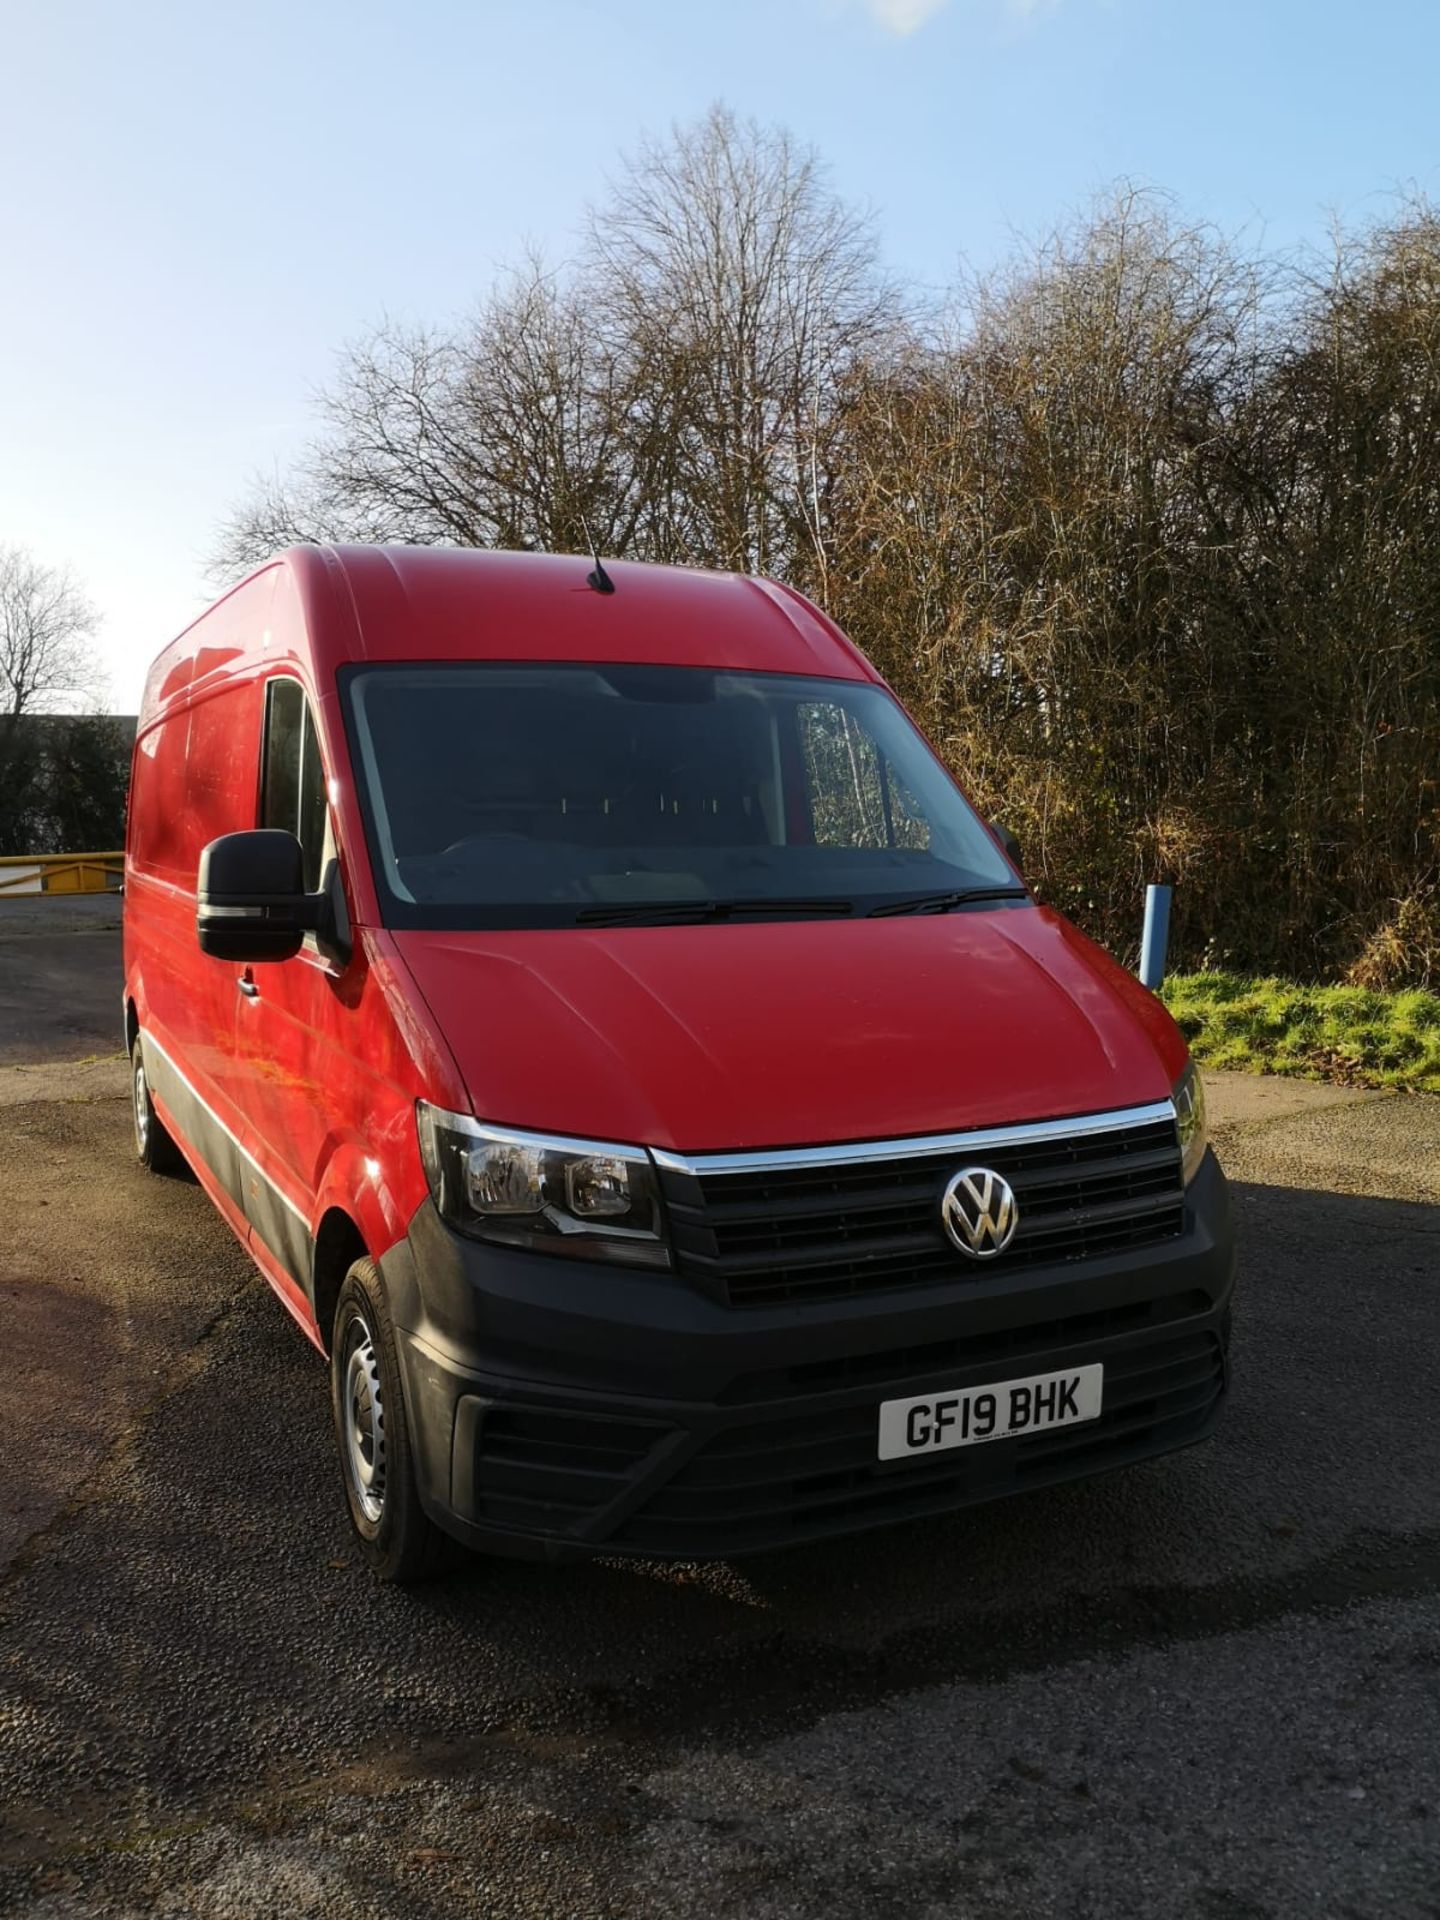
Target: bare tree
{"type": "Point", "coordinates": [1353, 431]}
{"type": "Point", "coordinates": [45, 624]}
{"type": "Point", "coordinates": [1142, 527]}
{"type": "Point", "coordinates": [381, 468]}
{"type": "Point", "coordinates": [507, 433]}
{"type": "Point", "coordinates": [1035, 543]}
{"type": "Point", "coordinates": [678, 391]}
{"type": "Point", "coordinates": [739, 290]}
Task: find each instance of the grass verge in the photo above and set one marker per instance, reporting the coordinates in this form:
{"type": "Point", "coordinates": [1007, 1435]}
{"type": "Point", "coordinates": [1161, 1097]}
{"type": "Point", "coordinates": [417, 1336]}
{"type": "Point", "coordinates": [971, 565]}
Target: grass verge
{"type": "Point", "coordinates": [1344, 1034]}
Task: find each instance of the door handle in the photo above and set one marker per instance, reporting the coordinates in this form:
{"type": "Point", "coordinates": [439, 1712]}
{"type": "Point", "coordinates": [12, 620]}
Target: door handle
{"type": "Point", "coordinates": [247, 986]}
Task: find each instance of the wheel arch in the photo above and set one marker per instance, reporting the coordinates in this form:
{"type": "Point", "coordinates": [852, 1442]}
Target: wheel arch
{"type": "Point", "coordinates": [339, 1243]}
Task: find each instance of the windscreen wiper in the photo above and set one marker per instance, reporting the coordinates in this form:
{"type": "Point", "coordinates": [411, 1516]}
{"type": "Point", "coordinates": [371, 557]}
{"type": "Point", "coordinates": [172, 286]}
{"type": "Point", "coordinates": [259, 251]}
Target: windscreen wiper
{"type": "Point", "coordinates": [685, 912]}
{"type": "Point", "coordinates": [946, 902]}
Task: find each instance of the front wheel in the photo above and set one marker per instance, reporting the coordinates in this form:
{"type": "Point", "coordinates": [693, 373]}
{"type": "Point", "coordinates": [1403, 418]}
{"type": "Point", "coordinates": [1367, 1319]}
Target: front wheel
{"type": "Point", "coordinates": [397, 1537]}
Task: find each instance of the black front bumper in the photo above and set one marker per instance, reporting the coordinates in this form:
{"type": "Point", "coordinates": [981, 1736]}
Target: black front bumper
{"type": "Point", "coordinates": [563, 1407]}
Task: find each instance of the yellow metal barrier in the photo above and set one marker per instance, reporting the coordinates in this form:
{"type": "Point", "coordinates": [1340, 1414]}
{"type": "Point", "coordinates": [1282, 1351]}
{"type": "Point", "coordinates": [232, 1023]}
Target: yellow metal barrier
{"type": "Point", "coordinates": [60, 873]}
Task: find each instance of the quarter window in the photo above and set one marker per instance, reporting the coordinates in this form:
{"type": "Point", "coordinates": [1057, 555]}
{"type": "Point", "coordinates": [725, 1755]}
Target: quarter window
{"type": "Point", "coordinates": [292, 790]}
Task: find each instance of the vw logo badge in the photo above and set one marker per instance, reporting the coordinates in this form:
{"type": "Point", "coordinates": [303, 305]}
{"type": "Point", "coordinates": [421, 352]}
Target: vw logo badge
{"type": "Point", "coordinates": [979, 1212]}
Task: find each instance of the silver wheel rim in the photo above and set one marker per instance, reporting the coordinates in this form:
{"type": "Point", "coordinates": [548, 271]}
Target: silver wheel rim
{"type": "Point", "coordinates": [142, 1105]}
{"type": "Point", "coordinates": [362, 1413]}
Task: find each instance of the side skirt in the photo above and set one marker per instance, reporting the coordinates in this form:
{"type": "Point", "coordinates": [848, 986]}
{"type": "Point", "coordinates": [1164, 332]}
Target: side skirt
{"type": "Point", "coordinates": [271, 1229]}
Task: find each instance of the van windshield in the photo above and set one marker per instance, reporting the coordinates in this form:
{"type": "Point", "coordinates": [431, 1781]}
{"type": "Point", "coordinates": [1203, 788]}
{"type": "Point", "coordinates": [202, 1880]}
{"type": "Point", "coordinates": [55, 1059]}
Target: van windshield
{"type": "Point", "coordinates": [508, 795]}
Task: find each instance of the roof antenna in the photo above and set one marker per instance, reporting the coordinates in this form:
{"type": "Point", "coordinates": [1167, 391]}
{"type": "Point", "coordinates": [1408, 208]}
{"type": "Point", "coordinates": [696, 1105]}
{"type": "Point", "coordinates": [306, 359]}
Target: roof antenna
{"type": "Point", "coordinates": [599, 579]}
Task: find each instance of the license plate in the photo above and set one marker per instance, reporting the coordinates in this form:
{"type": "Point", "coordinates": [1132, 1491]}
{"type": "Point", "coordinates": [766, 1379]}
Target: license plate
{"type": "Point", "coordinates": [933, 1422]}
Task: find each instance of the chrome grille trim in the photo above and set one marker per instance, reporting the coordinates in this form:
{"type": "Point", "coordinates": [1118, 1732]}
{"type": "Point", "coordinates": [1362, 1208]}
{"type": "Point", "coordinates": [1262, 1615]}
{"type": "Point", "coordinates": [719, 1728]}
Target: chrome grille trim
{"type": "Point", "coordinates": [913, 1147]}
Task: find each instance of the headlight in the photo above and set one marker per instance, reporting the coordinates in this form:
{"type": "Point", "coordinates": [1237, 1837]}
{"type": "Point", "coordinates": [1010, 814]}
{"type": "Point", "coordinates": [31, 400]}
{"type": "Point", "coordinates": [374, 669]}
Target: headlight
{"type": "Point", "coordinates": [534, 1190]}
{"type": "Point", "coordinates": [1189, 1098]}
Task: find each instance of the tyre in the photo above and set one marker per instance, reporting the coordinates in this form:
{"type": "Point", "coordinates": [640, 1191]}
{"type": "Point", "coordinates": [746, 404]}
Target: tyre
{"type": "Point", "coordinates": [154, 1148]}
{"type": "Point", "coordinates": [398, 1539]}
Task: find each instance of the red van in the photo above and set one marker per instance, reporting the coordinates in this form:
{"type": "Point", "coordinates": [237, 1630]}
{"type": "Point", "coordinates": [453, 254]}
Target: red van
{"type": "Point", "coordinates": [631, 1060]}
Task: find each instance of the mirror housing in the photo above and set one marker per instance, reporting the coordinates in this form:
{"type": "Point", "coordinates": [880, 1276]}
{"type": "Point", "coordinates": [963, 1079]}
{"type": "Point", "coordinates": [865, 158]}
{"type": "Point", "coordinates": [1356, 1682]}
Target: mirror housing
{"type": "Point", "coordinates": [251, 902]}
{"type": "Point", "coordinates": [1010, 845]}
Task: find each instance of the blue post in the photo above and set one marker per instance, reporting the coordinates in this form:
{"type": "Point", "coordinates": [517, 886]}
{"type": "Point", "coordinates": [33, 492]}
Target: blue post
{"type": "Point", "coordinates": [1155, 938]}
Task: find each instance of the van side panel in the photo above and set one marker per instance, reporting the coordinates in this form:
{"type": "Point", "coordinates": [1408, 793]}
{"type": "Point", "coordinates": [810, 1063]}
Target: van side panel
{"type": "Point", "coordinates": [298, 1094]}
{"type": "Point", "coordinates": [194, 779]}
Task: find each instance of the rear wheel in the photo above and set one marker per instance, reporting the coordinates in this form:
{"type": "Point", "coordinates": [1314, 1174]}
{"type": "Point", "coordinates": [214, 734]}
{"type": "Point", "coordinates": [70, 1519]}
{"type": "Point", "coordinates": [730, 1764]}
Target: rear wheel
{"type": "Point", "coordinates": [397, 1537]}
{"type": "Point", "coordinates": [154, 1148]}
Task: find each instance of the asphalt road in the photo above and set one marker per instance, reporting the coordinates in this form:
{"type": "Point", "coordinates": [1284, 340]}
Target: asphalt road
{"type": "Point", "coordinates": [1206, 1688]}
{"type": "Point", "coordinates": [59, 977]}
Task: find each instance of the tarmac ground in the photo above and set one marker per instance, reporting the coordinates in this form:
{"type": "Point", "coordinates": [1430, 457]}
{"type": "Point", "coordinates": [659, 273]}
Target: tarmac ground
{"type": "Point", "coordinates": [1208, 1687]}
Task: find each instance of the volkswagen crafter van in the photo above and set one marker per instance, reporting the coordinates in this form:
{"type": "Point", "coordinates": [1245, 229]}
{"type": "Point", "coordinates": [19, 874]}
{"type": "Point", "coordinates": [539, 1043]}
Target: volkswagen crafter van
{"type": "Point", "coordinates": [632, 1062]}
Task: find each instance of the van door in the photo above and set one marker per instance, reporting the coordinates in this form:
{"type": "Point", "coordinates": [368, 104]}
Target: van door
{"type": "Point", "coordinates": [290, 1033]}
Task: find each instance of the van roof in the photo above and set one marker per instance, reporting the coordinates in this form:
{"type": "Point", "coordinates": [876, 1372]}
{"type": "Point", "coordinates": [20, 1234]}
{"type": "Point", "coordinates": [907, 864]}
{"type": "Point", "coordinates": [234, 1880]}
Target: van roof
{"type": "Point", "coordinates": [385, 603]}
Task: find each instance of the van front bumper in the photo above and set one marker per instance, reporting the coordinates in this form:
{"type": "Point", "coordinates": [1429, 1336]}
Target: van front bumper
{"type": "Point", "coordinates": [562, 1407]}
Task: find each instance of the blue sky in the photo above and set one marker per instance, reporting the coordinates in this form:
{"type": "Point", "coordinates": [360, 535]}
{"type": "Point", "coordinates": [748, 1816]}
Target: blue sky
{"type": "Point", "coordinates": [202, 203]}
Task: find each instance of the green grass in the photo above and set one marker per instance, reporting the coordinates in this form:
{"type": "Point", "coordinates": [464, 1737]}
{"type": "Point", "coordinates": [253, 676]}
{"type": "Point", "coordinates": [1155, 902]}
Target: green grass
{"type": "Point", "coordinates": [1320, 1033]}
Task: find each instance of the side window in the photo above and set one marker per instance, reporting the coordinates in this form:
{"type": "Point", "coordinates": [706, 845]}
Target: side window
{"type": "Point", "coordinates": [292, 788]}
{"type": "Point", "coordinates": [856, 798]}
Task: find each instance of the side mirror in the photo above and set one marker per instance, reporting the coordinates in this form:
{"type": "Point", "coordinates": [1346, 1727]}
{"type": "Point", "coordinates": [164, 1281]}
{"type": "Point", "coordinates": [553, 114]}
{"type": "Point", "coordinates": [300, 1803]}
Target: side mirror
{"type": "Point", "coordinates": [251, 902]}
{"type": "Point", "coordinates": [1009, 843]}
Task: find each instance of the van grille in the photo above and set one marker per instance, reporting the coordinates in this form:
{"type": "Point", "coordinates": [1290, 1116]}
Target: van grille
{"type": "Point", "coordinates": [1036, 1346]}
{"type": "Point", "coordinates": [821, 1230]}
